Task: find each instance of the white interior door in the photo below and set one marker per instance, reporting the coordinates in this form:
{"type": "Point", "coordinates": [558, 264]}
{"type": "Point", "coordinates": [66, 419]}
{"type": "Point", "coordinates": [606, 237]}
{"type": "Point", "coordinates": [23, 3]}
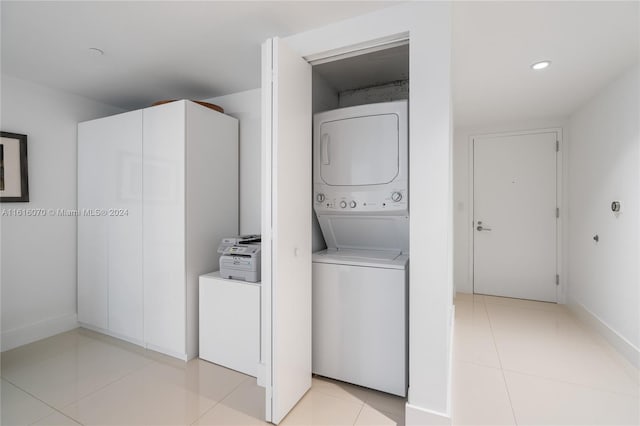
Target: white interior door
{"type": "Point", "coordinates": [515, 224]}
{"type": "Point", "coordinates": [286, 278]}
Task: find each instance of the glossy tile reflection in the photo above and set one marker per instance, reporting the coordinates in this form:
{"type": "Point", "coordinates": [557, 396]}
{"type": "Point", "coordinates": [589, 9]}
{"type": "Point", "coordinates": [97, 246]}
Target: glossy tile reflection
{"type": "Point", "coordinates": [85, 378]}
{"type": "Point", "coordinates": [514, 362]}
{"type": "Point", "coordinates": [534, 363]}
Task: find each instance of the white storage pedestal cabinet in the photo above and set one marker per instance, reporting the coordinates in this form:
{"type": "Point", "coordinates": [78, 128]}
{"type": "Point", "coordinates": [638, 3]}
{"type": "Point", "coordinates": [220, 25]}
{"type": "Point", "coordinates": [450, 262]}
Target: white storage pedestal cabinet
{"type": "Point", "coordinates": [157, 191]}
{"type": "Point", "coordinates": [230, 323]}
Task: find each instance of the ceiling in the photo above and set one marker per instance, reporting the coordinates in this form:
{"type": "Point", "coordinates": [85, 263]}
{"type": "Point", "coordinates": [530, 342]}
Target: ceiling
{"type": "Point", "coordinates": [494, 44]}
{"type": "Point", "coordinates": [153, 50]}
{"type": "Point", "coordinates": [200, 49]}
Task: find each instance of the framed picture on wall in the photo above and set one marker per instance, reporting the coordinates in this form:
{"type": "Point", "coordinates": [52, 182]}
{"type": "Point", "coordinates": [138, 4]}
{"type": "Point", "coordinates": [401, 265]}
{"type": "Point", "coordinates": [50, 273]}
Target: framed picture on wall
{"type": "Point", "coordinates": [14, 182]}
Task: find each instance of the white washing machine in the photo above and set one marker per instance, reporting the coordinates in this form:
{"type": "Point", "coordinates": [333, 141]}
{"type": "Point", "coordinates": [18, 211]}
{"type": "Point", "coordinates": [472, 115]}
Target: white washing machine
{"type": "Point", "coordinates": [360, 281]}
{"type": "Point", "coordinates": [360, 318]}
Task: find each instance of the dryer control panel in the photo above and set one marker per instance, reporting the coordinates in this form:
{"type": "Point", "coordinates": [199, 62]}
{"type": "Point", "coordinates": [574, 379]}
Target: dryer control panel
{"type": "Point", "coordinates": [393, 201]}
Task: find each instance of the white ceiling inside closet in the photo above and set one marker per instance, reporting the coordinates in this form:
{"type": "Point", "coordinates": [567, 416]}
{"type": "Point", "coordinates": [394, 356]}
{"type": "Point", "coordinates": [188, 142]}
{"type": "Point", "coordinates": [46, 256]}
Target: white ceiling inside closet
{"type": "Point", "coordinates": [366, 70]}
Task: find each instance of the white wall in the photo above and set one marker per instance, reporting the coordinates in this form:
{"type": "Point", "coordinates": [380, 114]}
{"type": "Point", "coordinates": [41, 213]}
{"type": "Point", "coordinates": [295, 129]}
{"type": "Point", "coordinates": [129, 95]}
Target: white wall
{"type": "Point", "coordinates": [462, 215]}
{"type": "Point", "coordinates": [324, 98]}
{"type": "Point", "coordinates": [430, 313]}
{"type": "Point", "coordinates": [604, 165]}
{"type": "Point", "coordinates": [246, 107]}
{"type": "Point", "coordinates": [39, 253]}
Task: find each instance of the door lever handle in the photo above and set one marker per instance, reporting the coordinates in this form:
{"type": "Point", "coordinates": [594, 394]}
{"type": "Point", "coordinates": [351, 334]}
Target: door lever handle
{"type": "Point", "coordinates": [482, 228]}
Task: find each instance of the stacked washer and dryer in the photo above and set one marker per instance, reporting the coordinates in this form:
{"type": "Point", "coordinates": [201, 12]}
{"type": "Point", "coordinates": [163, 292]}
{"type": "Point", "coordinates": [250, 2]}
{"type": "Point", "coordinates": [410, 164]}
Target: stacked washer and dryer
{"type": "Point", "coordinates": [360, 298]}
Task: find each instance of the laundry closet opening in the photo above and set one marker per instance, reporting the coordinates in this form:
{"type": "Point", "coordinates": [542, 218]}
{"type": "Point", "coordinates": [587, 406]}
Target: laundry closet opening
{"type": "Point", "coordinates": [360, 218]}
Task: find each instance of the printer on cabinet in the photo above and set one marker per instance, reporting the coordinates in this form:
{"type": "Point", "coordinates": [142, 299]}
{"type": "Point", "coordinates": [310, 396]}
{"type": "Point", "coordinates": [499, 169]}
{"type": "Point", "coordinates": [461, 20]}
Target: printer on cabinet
{"type": "Point", "coordinates": [240, 258]}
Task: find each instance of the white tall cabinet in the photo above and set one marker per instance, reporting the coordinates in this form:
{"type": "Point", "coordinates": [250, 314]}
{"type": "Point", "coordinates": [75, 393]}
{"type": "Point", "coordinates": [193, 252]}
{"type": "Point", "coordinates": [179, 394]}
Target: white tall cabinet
{"type": "Point", "coordinates": [157, 190]}
{"type": "Point", "coordinates": [110, 290]}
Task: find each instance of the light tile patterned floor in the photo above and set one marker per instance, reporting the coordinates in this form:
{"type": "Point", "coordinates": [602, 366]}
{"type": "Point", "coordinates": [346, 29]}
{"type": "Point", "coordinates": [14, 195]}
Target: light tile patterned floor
{"type": "Point", "coordinates": [515, 362]}
{"type": "Point", "coordinates": [82, 377]}
{"type": "Point", "coordinates": [533, 363]}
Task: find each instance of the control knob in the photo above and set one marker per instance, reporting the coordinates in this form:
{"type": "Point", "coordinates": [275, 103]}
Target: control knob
{"type": "Point", "coordinates": [343, 204]}
{"type": "Point", "coordinates": [353, 204]}
{"type": "Point", "coordinates": [320, 197]}
{"type": "Point", "coordinates": [396, 196]}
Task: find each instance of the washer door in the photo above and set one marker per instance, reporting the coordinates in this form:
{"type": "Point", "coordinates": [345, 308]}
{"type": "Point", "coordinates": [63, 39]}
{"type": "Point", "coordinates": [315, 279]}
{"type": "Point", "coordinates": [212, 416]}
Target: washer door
{"type": "Point", "coordinates": [390, 233]}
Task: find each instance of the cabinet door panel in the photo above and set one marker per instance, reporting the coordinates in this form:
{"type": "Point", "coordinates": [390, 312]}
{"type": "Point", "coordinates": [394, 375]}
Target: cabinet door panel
{"type": "Point", "coordinates": [109, 248]}
{"type": "Point", "coordinates": [92, 229]}
{"type": "Point", "coordinates": [164, 227]}
{"type": "Point", "coordinates": [124, 215]}
{"type": "Point", "coordinates": [230, 323]}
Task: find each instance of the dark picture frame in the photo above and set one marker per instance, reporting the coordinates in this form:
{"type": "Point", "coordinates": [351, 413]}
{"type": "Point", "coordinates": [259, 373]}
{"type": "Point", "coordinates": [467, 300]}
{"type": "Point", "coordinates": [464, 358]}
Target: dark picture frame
{"type": "Point", "coordinates": [14, 176]}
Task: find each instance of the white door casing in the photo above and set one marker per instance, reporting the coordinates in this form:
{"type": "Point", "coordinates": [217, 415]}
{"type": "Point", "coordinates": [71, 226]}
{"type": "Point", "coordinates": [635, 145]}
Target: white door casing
{"type": "Point", "coordinates": [515, 215]}
{"type": "Point", "coordinates": [286, 277]}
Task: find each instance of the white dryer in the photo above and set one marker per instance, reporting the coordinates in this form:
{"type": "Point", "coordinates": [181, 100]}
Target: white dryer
{"type": "Point", "coordinates": [361, 176]}
{"type": "Point", "coordinates": [361, 199]}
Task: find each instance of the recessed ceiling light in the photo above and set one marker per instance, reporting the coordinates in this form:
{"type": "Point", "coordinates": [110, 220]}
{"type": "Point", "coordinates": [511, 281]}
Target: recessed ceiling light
{"type": "Point", "coordinates": [96, 52]}
{"type": "Point", "coordinates": [540, 65]}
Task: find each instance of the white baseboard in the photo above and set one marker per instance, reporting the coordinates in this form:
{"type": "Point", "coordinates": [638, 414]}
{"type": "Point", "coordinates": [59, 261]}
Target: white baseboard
{"type": "Point", "coordinates": [181, 356]}
{"type": "Point", "coordinates": [451, 348]}
{"type": "Point", "coordinates": [619, 342]}
{"type": "Point", "coordinates": [418, 416]}
{"type": "Point", "coordinates": [37, 331]}
{"type": "Point", "coordinates": [164, 351]}
{"type": "Point", "coordinates": [111, 334]}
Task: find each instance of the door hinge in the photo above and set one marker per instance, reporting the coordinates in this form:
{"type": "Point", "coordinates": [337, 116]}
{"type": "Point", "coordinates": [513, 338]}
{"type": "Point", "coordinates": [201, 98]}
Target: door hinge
{"type": "Point", "coordinates": [557, 279]}
{"type": "Point", "coordinates": [557, 146]}
{"type": "Point", "coordinates": [558, 212]}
